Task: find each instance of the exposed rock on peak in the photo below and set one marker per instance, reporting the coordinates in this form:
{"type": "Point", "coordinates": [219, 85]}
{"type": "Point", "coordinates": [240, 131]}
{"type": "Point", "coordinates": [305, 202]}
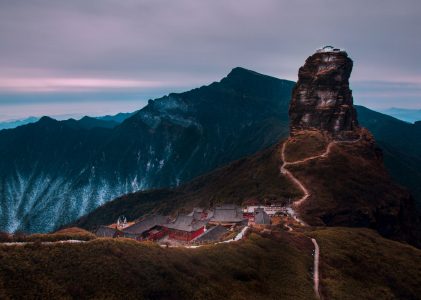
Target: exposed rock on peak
{"type": "Point", "coordinates": [321, 98]}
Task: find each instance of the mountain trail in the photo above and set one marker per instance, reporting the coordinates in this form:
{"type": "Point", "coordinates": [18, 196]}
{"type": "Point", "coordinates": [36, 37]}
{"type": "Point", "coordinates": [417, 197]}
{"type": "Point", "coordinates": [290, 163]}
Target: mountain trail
{"type": "Point", "coordinates": [306, 195]}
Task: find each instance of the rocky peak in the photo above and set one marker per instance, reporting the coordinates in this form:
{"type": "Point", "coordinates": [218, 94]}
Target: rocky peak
{"type": "Point", "coordinates": [321, 99]}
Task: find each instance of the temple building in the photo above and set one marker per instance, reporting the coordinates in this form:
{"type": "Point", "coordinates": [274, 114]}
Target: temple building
{"type": "Point", "coordinates": [261, 217]}
{"type": "Point", "coordinates": [200, 214]}
{"type": "Point", "coordinates": [185, 228]}
{"type": "Point", "coordinates": [228, 215]}
{"type": "Point", "coordinates": [105, 231]}
{"type": "Point", "coordinates": [149, 228]}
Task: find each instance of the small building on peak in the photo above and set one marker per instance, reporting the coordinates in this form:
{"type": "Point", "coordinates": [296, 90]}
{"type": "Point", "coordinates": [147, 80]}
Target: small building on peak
{"type": "Point", "coordinates": [329, 48]}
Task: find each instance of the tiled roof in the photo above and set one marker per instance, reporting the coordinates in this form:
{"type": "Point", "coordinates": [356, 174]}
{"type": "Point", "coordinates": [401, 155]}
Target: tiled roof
{"type": "Point", "coordinates": [229, 213]}
{"type": "Point", "coordinates": [130, 235]}
{"type": "Point", "coordinates": [213, 234]}
{"type": "Point", "coordinates": [197, 215]}
{"type": "Point", "coordinates": [261, 217]}
{"type": "Point", "coordinates": [146, 224]}
{"type": "Point", "coordinates": [186, 223]}
{"type": "Point", "coordinates": [104, 231]}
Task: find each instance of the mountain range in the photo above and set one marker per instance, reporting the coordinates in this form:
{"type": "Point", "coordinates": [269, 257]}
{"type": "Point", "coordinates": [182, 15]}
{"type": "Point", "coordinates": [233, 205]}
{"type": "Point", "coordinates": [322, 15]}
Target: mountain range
{"type": "Point", "coordinates": [404, 114]}
{"type": "Point", "coordinates": [15, 123]}
{"type": "Point", "coordinates": [53, 172]}
{"type": "Point", "coordinates": [115, 119]}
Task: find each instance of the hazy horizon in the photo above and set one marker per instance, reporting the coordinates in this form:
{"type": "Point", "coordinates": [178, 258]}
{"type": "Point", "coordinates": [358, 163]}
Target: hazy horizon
{"type": "Point", "coordinates": [95, 104]}
{"type": "Point", "coordinates": [106, 56]}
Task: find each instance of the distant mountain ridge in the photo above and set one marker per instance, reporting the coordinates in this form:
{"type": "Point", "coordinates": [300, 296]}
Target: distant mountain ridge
{"type": "Point", "coordinates": [401, 145]}
{"type": "Point", "coordinates": [119, 118]}
{"type": "Point", "coordinates": [15, 123]}
{"type": "Point", "coordinates": [404, 114]}
{"type": "Point", "coordinates": [108, 121]}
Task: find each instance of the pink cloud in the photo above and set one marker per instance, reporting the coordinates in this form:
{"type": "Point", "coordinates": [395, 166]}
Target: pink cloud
{"type": "Point", "coordinates": [51, 84]}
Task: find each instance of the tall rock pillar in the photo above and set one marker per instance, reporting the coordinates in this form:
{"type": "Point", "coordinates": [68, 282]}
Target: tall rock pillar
{"type": "Point", "coordinates": [321, 99]}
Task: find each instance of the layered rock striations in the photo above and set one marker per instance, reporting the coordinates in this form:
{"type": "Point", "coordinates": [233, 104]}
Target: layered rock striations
{"type": "Point", "coordinates": [321, 99]}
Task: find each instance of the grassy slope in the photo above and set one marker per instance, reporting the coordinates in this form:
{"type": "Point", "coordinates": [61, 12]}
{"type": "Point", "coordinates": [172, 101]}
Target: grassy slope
{"type": "Point", "coordinates": [257, 268]}
{"type": "Point", "coordinates": [359, 264]}
{"type": "Point", "coordinates": [351, 187]}
{"type": "Point", "coordinates": [355, 264]}
{"type": "Point", "coordinates": [72, 233]}
{"type": "Point", "coordinates": [401, 145]}
{"type": "Point", "coordinates": [301, 146]}
{"type": "Point", "coordinates": [257, 177]}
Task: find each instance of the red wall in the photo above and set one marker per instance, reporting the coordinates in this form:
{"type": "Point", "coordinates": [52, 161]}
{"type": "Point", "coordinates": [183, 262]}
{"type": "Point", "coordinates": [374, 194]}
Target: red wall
{"type": "Point", "coordinates": [157, 235]}
{"type": "Point", "coordinates": [184, 235]}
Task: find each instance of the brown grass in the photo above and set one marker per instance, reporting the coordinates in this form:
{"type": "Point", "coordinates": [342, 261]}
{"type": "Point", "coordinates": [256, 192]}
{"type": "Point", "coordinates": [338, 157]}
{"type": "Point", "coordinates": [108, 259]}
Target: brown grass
{"type": "Point", "coordinates": [360, 264]}
{"type": "Point", "coordinates": [306, 144]}
{"type": "Point", "coordinates": [256, 268]}
{"type": "Point", "coordinates": [72, 233]}
{"type": "Point", "coordinates": [351, 187]}
{"type": "Point", "coordinates": [355, 264]}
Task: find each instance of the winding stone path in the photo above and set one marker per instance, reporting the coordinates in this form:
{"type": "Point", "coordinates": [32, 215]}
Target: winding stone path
{"type": "Point", "coordinates": [316, 267]}
{"type": "Point", "coordinates": [306, 195]}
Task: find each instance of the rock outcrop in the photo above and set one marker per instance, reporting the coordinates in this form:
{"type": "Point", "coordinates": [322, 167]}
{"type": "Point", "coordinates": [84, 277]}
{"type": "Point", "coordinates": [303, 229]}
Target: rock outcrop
{"type": "Point", "coordinates": [321, 98]}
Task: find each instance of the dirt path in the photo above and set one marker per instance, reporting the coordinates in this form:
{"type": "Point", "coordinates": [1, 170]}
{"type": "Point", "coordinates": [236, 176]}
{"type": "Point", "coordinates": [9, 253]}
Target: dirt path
{"type": "Point", "coordinates": [42, 243]}
{"type": "Point", "coordinates": [306, 195]}
{"type": "Point", "coordinates": [300, 201]}
{"type": "Point", "coordinates": [316, 267]}
{"type": "Point", "coordinates": [298, 183]}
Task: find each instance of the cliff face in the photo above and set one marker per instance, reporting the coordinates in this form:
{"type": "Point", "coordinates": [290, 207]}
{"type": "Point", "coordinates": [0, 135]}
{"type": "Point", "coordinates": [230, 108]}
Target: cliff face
{"type": "Point", "coordinates": [348, 184]}
{"type": "Point", "coordinates": [322, 99]}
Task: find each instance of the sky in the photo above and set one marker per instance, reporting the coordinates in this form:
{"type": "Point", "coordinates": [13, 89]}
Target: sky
{"type": "Point", "coordinates": [73, 58]}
